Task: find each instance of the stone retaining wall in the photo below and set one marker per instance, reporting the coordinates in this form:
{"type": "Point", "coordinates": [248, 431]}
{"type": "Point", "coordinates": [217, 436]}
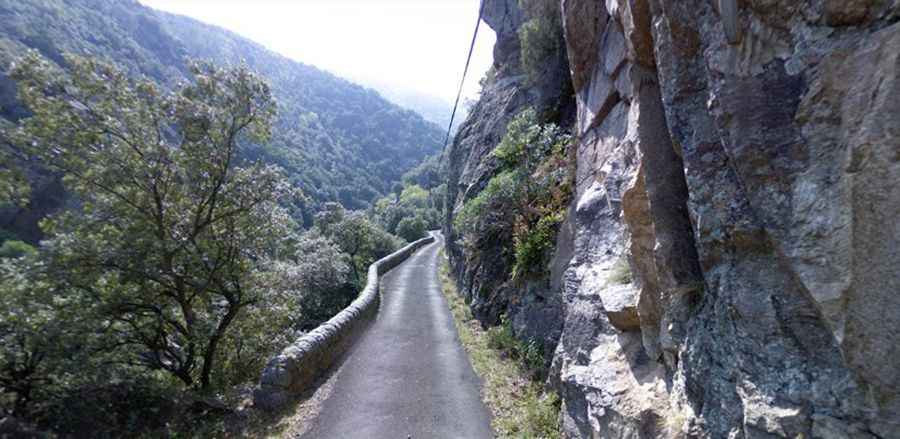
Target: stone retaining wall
{"type": "Point", "coordinates": [297, 366]}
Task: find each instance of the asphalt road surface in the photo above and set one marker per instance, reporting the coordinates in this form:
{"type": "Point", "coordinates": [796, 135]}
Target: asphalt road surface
{"type": "Point", "coordinates": [407, 376]}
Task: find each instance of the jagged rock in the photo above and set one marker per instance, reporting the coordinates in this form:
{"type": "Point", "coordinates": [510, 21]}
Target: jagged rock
{"type": "Point", "coordinates": [846, 12]}
{"type": "Point", "coordinates": [583, 18]}
{"type": "Point", "coordinates": [734, 268]}
{"type": "Point", "coordinates": [482, 269]}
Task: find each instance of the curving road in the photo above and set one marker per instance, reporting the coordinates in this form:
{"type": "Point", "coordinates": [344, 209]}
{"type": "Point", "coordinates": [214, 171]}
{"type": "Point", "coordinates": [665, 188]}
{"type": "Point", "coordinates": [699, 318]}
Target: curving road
{"type": "Point", "coordinates": [408, 376]}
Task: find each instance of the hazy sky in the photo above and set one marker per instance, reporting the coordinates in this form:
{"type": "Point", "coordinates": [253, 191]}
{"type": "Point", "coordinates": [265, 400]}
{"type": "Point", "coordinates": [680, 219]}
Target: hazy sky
{"type": "Point", "coordinates": [419, 45]}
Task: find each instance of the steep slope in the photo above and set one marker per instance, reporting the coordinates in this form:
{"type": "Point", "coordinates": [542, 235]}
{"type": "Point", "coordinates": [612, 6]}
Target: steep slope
{"type": "Point", "coordinates": [738, 160]}
{"type": "Point", "coordinates": [483, 273]}
{"type": "Point", "coordinates": [337, 141]}
{"type": "Point", "coordinates": [432, 108]}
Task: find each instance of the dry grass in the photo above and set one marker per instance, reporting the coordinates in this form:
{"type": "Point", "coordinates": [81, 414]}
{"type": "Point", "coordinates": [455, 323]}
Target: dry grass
{"type": "Point", "coordinates": [520, 407]}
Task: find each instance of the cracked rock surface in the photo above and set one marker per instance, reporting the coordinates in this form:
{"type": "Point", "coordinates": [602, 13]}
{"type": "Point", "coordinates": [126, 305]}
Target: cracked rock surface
{"type": "Point", "coordinates": [730, 265]}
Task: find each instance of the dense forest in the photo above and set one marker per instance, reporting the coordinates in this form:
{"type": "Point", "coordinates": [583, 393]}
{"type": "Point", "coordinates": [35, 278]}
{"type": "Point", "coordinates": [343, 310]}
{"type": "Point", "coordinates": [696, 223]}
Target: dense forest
{"type": "Point", "coordinates": [336, 140]}
{"type": "Point", "coordinates": [179, 204]}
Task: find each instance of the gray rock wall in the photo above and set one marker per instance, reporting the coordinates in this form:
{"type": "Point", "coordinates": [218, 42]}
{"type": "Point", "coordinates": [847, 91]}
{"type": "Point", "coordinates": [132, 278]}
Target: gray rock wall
{"type": "Point", "coordinates": [482, 269]}
{"type": "Point", "coordinates": [300, 364]}
{"type": "Point", "coordinates": [730, 267]}
{"type": "Point", "coordinates": [723, 149]}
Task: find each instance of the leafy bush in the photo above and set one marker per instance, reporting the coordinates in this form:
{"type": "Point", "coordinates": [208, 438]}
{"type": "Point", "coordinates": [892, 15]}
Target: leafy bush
{"type": "Point", "coordinates": [411, 228]}
{"type": "Point", "coordinates": [526, 201]}
{"type": "Point", "coordinates": [532, 244]}
{"type": "Point", "coordinates": [529, 353]}
{"type": "Point", "coordinates": [16, 249]}
{"type": "Point", "coordinates": [540, 37]}
{"type": "Point", "coordinates": [491, 210]}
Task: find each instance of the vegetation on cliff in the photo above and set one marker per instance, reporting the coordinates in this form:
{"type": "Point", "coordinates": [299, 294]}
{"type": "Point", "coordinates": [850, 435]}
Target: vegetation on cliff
{"type": "Point", "coordinates": [525, 202]}
{"type": "Point", "coordinates": [512, 387]}
{"type": "Point", "coordinates": [540, 37]}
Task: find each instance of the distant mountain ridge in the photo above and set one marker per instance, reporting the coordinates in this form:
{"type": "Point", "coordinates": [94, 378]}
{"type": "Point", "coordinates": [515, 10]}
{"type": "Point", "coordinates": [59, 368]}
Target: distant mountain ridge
{"type": "Point", "coordinates": [431, 108]}
{"type": "Point", "coordinates": [337, 141]}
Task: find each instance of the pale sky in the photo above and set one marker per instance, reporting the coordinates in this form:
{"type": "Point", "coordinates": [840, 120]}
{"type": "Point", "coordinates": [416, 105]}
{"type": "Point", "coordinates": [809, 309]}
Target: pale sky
{"type": "Point", "coordinates": [419, 45]}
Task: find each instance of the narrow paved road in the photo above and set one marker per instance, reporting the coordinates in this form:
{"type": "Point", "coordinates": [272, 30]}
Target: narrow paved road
{"type": "Point", "coordinates": [408, 376]}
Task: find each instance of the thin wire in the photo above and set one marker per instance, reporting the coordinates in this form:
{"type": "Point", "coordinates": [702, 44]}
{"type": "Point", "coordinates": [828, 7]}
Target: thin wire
{"type": "Point", "coordinates": [463, 80]}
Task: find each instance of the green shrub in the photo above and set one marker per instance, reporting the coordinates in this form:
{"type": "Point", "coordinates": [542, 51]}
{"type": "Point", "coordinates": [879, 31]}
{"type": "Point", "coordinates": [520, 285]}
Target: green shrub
{"type": "Point", "coordinates": [540, 37]}
{"type": "Point", "coordinates": [533, 244]}
{"type": "Point", "coordinates": [16, 249]}
{"type": "Point", "coordinates": [411, 228]}
{"type": "Point", "coordinates": [529, 353]}
{"type": "Point", "coordinates": [492, 209]}
{"type": "Point", "coordinates": [527, 200]}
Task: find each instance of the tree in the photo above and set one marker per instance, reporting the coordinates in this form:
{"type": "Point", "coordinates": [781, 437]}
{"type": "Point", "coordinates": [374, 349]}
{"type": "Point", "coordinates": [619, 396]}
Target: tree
{"type": "Point", "coordinates": [411, 228]}
{"type": "Point", "coordinates": [317, 279]}
{"type": "Point", "coordinates": [26, 335]}
{"type": "Point", "coordinates": [361, 240]}
{"type": "Point", "coordinates": [171, 226]}
{"type": "Point", "coordinates": [540, 36]}
{"type": "Point", "coordinates": [414, 196]}
{"type": "Point", "coordinates": [14, 188]}
{"type": "Point", "coordinates": [329, 215]}
{"type": "Point", "coordinates": [42, 332]}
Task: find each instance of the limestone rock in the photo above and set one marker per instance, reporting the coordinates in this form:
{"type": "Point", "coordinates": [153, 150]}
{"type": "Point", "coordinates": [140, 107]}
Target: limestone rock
{"type": "Point", "coordinates": [732, 253]}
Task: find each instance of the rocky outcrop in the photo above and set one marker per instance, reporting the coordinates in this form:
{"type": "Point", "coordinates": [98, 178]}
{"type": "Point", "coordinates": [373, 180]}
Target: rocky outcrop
{"type": "Point", "coordinates": [535, 309]}
{"type": "Point", "coordinates": [635, 276]}
{"type": "Point", "coordinates": [734, 268]}
{"type": "Point", "coordinates": [292, 371]}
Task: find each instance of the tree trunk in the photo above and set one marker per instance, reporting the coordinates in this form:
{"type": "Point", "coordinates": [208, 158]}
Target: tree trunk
{"type": "Point", "coordinates": [209, 356]}
{"type": "Point", "coordinates": [184, 375]}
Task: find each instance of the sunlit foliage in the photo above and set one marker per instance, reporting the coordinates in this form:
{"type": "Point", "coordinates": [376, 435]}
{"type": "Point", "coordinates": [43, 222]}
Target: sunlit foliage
{"type": "Point", "coordinates": [526, 201]}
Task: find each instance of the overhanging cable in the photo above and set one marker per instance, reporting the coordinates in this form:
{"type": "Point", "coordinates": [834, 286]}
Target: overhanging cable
{"type": "Point", "coordinates": [463, 80]}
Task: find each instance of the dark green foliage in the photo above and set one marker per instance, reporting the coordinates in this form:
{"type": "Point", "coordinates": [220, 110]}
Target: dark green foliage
{"type": "Point", "coordinates": [170, 230]}
{"type": "Point", "coordinates": [160, 279]}
{"type": "Point", "coordinates": [428, 174]}
{"type": "Point", "coordinates": [418, 204]}
{"type": "Point", "coordinates": [362, 240]}
{"type": "Point", "coordinates": [489, 214]}
{"type": "Point", "coordinates": [335, 140]}
{"type": "Point", "coordinates": [14, 187]}
{"type": "Point", "coordinates": [529, 353]}
{"type": "Point", "coordinates": [534, 244]}
{"type": "Point", "coordinates": [179, 272]}
{"type": "Point", "coordinates": [539, 36]}
{"type": "Point", "coordinates": [526, 201]}
{"type": "Point", "coordinates": [16, 249]}
{"type": "Point", "coordinates": [411, 228]}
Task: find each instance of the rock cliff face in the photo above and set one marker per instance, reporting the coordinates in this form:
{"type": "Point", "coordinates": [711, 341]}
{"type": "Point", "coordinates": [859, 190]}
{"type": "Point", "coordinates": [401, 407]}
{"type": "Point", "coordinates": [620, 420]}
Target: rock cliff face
{"type": "Point", "coordinates": [730, 267]}
{"type": "Point", "coordinates": [536, 308]}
